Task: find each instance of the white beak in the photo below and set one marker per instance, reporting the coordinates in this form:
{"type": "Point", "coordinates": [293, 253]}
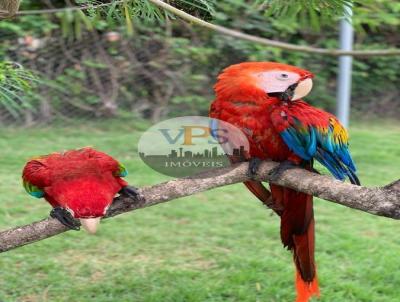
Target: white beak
{"type": "Point", "coordinates": [90, 224]}
{"type": "Point", "coordinates": [302, 89]}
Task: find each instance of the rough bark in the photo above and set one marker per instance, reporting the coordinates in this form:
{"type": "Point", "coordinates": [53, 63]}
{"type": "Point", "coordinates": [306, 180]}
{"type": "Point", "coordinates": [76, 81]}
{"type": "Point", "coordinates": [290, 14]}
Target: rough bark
{"type": "Point", "coordinates": [8, 8]}
{"type": "Point", "coordinates": [383, 201]}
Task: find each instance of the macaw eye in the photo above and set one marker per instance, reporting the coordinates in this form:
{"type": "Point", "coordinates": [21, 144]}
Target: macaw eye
{"type": "Point", "coordinates": [282, 76]}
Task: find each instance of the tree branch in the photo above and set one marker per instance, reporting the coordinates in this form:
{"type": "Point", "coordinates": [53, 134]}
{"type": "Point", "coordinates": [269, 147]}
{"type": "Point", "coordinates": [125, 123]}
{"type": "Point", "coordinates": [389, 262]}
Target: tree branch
{"type": "Point", "coordinates": [227, 31]}
{"type": "Point", "coordinates": [273, 43]}
{"type": "Point", "coordinates": [378, 201]}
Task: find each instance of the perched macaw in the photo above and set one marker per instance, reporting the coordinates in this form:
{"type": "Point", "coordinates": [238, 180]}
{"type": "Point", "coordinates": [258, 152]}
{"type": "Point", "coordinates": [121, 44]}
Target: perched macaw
{"type": "Point", "coordinates": [78, 184]}
{"type": "Point", "coordinates": [263, 99]}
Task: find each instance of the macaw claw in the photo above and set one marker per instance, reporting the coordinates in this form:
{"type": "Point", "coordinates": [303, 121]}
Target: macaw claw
{"type": "Point", "coordinates": [131, 192]}
{"type": "Point", "coordinates": [65, 217]}
{"type": "Point", "coordinates": [279, 169]}
{"type": "Point", "coordinates": [254, 164]}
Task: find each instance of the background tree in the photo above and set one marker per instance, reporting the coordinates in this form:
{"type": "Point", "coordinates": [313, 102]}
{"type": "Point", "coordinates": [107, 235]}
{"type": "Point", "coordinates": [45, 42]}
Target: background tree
{"type": "Point", "coordinates": [8, 8]}
{"type": "Point", "coordinates": [172, 64]}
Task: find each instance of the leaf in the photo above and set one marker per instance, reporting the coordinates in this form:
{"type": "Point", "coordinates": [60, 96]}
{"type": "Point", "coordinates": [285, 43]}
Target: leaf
{"type": "Point", "coordinates": [77, 27]}
{"type": "Point", "coordinates": [313, 12]}
{"type": "Point", "coordinates": [15, 82]}
{"type": "Point", "coordinates": [129, 25]}
{"type": "Point", "coordinates": [86, 20]}
{"type": "Point", "coordinates": [7, 99]}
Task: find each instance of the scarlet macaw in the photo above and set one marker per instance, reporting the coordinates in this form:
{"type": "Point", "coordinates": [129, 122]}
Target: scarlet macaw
{"type": "Point", "coordinates": [263, 99]}
{"type": "Point", "coordinates": [78, 184]}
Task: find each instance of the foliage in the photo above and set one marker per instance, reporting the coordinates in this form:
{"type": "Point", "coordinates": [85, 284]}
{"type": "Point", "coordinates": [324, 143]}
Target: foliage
{"type": "Point", "coordinates": [156, 55]}
{"type": "Point", "coordinates": [14, 83]}
{"type": "Point", "coordinates": [305, 12]}
{"type": "Point", "coordinates": [117, 14]}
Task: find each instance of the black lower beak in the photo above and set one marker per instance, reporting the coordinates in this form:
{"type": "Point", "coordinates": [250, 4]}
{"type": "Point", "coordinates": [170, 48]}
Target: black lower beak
{"type": "Point", "coordinates": [287, 95]}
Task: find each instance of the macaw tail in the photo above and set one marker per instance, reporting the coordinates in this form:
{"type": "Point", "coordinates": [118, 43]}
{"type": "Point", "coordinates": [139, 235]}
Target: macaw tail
{"type": "Point", "coordinates": [304, 248]}
{"type": "Point", "coordinates": [297, 234]}
{"type": "Point", "coordinates": [305, 290]}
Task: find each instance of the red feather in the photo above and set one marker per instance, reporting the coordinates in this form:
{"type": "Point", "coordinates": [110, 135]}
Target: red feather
{"type": "Point", "coordinates": [85, 181]}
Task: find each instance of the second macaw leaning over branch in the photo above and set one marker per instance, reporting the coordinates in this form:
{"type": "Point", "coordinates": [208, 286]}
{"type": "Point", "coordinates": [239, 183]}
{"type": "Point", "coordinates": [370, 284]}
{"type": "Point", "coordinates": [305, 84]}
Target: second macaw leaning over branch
{"type": "Point", "coordinates": [263, 99]}
{"type": "Point", "coordinates": [78, 184]}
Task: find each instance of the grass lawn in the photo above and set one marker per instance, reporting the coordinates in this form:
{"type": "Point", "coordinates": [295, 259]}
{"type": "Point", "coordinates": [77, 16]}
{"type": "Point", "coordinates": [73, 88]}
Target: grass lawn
{"type": "Point", "coordinates": [222, 245]}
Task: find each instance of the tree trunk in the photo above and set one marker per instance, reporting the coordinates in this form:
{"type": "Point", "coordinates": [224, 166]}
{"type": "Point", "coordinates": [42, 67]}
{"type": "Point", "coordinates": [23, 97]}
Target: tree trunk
{"type": "Point", "coordinates": [8, 8]}
{"type": "Point", "coordinates": [28, 117]}
{"type": "Point", "coordinates": [45, 110]}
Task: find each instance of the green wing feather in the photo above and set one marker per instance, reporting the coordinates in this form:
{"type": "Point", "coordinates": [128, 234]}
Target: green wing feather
{"type": "Point", "coordinates": [122, 171]}
{"type": "Point", "coordinates": [32, 190]}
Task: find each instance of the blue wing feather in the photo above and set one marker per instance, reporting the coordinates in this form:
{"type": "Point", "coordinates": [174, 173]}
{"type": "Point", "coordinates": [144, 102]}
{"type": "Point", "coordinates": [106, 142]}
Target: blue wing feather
{"type": "Point", "coordinates": [294, 143]}
{"type": "Point", "coordinates": [321, 144]}
{"type": "Point", "coordinates": [312, 148]}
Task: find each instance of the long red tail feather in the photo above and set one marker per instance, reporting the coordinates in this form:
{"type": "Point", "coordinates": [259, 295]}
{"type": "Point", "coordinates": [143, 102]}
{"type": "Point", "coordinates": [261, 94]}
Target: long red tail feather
{"type": "Point", "coordinates": [303, 254]}
{"type": "Point", "coordinates": [297, 234]}
{"type": "Point", "coordinates": [306, 290]}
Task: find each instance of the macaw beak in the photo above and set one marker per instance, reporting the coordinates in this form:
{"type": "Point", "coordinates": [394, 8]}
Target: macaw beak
{"type": "Point", "coordinates": [302, 89]}
{"type": "Point", "coordinates": [90, 224]}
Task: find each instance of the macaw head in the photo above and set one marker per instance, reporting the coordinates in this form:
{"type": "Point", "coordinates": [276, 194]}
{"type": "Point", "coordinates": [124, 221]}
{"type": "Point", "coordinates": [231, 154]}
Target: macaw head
{"type": "Point", "coordinates": [260, 79]}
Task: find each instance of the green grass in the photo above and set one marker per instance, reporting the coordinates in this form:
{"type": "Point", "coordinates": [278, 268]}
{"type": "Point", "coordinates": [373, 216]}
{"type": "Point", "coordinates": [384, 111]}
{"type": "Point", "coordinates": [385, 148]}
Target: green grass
{"type": "Point", "coordinates": [222, 245]}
